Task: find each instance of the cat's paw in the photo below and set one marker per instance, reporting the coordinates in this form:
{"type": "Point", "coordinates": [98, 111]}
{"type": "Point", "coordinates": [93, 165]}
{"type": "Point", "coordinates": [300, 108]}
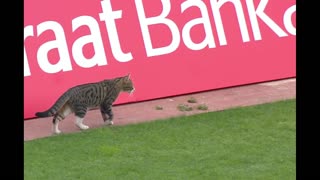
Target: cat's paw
{"type": "Point", "coordinates": [109, 122]}
{"type": "Point", "coordinates": [57, 131]}
{"type": "Point", "coordinates": [82, 126]}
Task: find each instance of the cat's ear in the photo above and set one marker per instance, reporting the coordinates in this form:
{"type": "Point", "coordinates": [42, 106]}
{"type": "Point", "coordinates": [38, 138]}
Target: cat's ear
{"type": "Point", "coordinates": [128, 76]}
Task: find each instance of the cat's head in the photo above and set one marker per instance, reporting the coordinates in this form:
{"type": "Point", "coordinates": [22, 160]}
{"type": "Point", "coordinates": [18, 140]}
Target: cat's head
{"type": "Point", "coordinates": [126, 84]}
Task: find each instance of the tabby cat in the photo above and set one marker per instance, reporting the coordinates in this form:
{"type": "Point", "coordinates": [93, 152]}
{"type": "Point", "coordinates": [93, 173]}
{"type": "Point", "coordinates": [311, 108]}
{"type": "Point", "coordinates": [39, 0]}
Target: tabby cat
{"type": "Point", "coordinates": [80, 98]}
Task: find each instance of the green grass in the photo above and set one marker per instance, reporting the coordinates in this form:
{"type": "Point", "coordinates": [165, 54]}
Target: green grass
{"type": "Point", "coordinates": [158, 107]}
{"type": "Point", "coordinates": [184, 107]}
{"type": "Point", "coordinates": [246, 143]}
{"type": "Point", "coordinates": [192, 100]}
{"type": "Point", "coordinates": [202, 107]}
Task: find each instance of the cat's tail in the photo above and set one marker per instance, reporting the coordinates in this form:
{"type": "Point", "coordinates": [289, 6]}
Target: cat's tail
{"type": "Point", "coordinates": [55, 107]}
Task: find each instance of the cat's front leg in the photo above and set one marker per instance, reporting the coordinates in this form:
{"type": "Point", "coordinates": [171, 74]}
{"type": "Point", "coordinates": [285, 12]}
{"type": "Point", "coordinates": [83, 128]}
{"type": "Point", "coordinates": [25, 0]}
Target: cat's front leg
{"type": "Point", "coordinates": [107, 110]}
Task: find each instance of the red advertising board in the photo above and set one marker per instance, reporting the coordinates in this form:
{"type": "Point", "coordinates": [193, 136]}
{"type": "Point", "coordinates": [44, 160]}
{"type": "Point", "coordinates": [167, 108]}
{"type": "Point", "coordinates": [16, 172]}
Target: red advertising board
{"type": "Point", "coordinates": [168, 47]}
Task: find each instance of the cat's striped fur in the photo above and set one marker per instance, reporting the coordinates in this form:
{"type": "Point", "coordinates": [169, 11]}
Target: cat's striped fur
{"type": "Point", "coordinates": [80, 98]}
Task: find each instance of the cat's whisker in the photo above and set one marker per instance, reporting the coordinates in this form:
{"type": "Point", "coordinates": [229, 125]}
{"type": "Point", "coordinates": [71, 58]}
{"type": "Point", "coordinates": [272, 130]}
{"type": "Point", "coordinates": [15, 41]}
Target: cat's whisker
{"type": "Point", "coordinates": [131, 92]}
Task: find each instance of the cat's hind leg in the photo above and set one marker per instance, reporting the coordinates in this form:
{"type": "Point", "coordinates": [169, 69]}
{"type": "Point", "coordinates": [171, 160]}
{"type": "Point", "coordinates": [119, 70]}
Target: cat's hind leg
{"type": "Point", "coordinates": [61, 114]}
{"type": "Point", "coordinates": [79, 123]}
{"type": "Point", "coordinates": [55, 123]}
{"type": "Point", "coordinates": [80, 112]}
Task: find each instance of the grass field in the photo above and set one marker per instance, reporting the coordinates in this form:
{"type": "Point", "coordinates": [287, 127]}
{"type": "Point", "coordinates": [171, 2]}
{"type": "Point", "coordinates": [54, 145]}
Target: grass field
{"type": "Point", "coordinates": [256, 142]}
